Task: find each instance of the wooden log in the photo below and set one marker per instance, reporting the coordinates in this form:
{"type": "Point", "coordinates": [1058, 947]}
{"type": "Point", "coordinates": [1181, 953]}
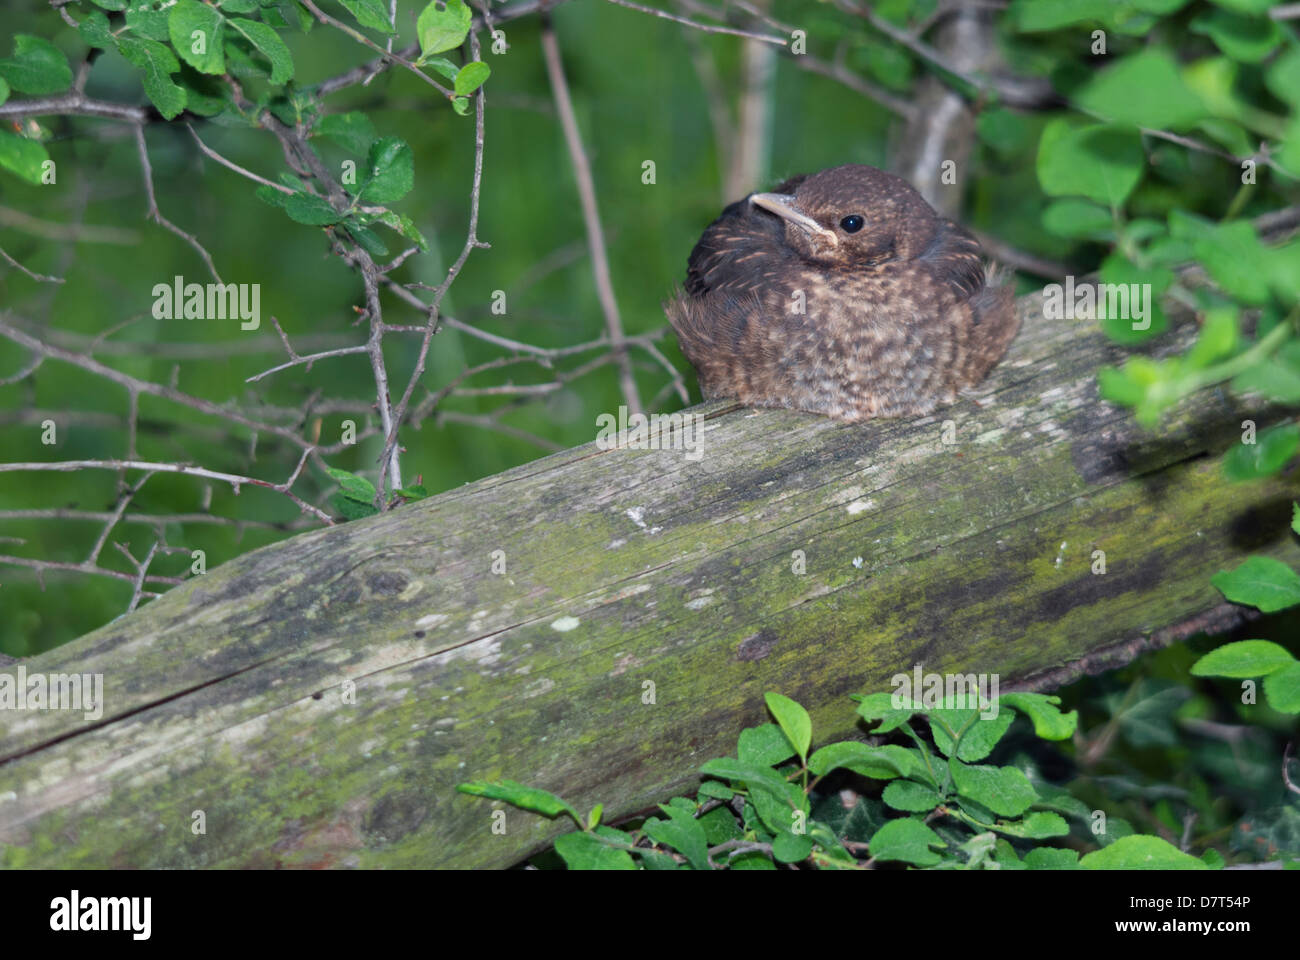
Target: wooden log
{"type": "Point", "coordinates": [319, 699]}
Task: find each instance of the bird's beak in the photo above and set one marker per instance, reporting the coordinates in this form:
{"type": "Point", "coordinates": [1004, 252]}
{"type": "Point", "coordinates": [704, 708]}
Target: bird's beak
{"type": "Point", "coordinates": [783, 205]}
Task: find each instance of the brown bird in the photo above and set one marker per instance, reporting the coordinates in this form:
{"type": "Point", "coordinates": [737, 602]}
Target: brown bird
{"type": "Point", "coordinates": [841, 293]}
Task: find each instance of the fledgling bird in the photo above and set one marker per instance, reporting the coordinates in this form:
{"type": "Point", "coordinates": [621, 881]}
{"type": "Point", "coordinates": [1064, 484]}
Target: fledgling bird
{"type": "Point", "coordinates": [841, 293]}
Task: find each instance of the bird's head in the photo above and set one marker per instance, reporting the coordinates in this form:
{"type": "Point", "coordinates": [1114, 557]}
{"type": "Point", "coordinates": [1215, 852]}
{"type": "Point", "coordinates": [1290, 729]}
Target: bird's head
{"type": "Point", "coordinates": [853, 215]}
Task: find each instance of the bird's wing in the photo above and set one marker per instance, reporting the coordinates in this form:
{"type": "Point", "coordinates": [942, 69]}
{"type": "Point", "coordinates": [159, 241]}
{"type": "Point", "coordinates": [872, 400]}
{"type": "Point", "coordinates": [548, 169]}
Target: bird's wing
{"type": "Point", "coordinates": [738, 248]}
{"type": "Point", "coordinates": [954, 257]}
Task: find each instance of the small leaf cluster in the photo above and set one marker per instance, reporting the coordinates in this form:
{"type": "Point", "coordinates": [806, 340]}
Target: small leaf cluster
{"type": "Point", "coordinates": [941, 807]}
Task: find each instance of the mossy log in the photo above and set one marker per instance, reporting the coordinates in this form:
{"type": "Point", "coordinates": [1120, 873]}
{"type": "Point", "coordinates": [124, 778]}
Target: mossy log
{"type": "Point", "coordinates": [600, 622]}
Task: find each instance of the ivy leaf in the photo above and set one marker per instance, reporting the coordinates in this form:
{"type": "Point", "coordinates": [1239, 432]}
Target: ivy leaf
{"type": "Point", "coordinates": [1261, 582]}
{"type": "Point", "coordinates": [444, 29]}
{"type": "Point", "coordinates": [22, 157]}
{"type": "Point", "coordinates": [195, 30]}
{"type": "Point", "coordinates": [352, 131]}
{"type": "Point", "coordinates": [269, 44]}
{"type": "Point", "coordinates": [370, 13]}
{"type": "Point", "coordinates": [158, 64]}
{"type": "Point", "coordinates": [392, 171]}
{"type": "Point", "coordinates": [471, 77]}
{"type": "Point", "coordinates": [37, 66]}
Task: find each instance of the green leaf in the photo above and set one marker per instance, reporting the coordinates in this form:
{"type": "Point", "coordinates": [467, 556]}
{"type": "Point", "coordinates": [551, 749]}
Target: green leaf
{"type": "Point", "coordinates": [910, 796]}
{"type": "Point", "coordinates": [158, 64]}
{"type": "Point", "coordinates": [443, 66]}
{"type": "Point", "coordinates": [205, 95]}
{"type": "Point", "coordinates": [195, 30]}
{"type": "Point", "coordinates": [788, 848]}
{"type": "Point", "coordinates": [1270, 452]}
{"type": "Point", "coordinates": [352, 131]}
{"type": "Point", "coordinates": [1038, 825]}
{"type": "Point", "coordinates": [444, 29]}
{"type": "Point", "coordinates": [269, 44]}
{"type": "Point", "coordinates": [352, 509]}
{"type": "Point", "coordinates": [310, 209]}
{"type": "Point", "coordinates": [907, 840]}
{"type": "Point", "coordinates": [4, 90]}
{"type": "Point", "coordinates": [879, 763]}
{"type": "Point", "coordinates": [764, 745]}
{"type": "Point", "coordinates": [520, 795]}
{"type": "Point", "coordinates": [147, 20]}
{"type": "Point", "coordinates": [1217, 339]}
{"type": "Point", "coordinates": [22, 157]}
{"type": "Point", "coordinates": [368, 240]}
{"type": "Point", "coordinates": [460, 105]}
{"type": "Point", "coordinates": [1118, 312]}
{"type": "Point", "coordinates": [238, 6]}
{"type": "Point", "coordinates": [1276, 378]}
{"type": "Point", "coordinates": [370, 13]}
{"type": "Point", "coordinates": [1004, 790]}
{"type": "Point", "coordinates": [1231, 253]}
{"type": "Point", "coordinates": [392, 171]}
{"type": "Point", "coordinates": [583, 851]}
{"type": "Point", "coordinates": [979, 740]}
{"type": "Point", "coordinates": [37, 66]}
{"type": "Point", "coordinates": [413, 492]}
{"type": "Point", "coordinates": [353, 487]}
{"type": "Point", "coordinates": [1247, 39]}
{"type": "Point", "coordinates": [1049, 722]}
{"type": "Point", "coordinates": [1283, 77]}
{"type": "Point", "coordinates": [1100, 162]}
{"type": "Point", "coordinates": [1034, 16]}
{"type": "Point", "coordinates": [94, 30]}
{"type": "Point", "coordinates": [471, 77]}
{"type": "Point", "coordinates": [793, 720]}
{"type": "Point", "coordinates": [1165, 103]}
{"type": "Point", "coordinates": [755, 777]}
{"type": "Point", "coordinates": [1140, 853]}
{"type": "Point", "coordinates": [405, 226]}
{"type": "Point", "coordinates": [880, 706]}
{"type": "Point", "coordinates": [1244, 658]}
{"type": "Point", "coordinates": [1261, 582]}
{"type": "Point", "coordinates": [683, 833]}
{"type": "Point", "coordinates": [1283, 689]}
{"type": "Point", "coordinates": [1051, 858]}
{"type": "Point", "coordinates": [1074, 217]}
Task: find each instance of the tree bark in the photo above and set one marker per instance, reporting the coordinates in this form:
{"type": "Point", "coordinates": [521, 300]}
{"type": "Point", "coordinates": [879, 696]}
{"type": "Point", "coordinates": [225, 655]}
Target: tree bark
{"type": "Point", "coordinates": [319, 699]}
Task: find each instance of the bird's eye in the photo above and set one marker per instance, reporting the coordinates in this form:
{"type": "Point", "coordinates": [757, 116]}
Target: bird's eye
{"type": "Point", "coordinates": [852, 223]}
